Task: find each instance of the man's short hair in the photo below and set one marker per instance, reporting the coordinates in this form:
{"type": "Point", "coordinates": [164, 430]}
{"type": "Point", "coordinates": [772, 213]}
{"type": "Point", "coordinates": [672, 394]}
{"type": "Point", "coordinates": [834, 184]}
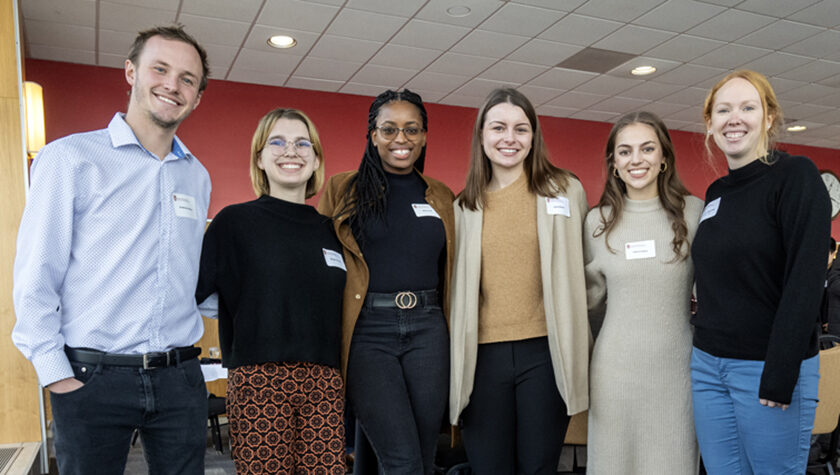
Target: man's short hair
{"type": "Point", "coordinates": [173, 32]}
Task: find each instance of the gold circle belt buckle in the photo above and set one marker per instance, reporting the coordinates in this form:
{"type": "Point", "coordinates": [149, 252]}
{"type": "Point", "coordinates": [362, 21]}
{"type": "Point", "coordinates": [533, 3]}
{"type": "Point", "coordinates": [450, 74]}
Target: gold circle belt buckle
{"type": "Point", "coordinates": [406, 300]}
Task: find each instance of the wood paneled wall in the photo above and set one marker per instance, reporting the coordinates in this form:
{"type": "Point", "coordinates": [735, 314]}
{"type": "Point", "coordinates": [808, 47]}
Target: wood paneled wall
{"type": "Point", "coordinates": [18, 383]}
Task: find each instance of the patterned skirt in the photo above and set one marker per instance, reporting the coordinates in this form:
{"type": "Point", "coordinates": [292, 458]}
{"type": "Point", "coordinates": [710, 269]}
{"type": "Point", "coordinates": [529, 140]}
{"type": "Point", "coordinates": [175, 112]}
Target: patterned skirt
{"type": "Point", "coordinates": [286, 418]}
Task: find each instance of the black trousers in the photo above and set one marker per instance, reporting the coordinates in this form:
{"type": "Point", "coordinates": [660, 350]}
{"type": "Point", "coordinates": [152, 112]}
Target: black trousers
{"type": "Point", "coordinates": [516, 420]}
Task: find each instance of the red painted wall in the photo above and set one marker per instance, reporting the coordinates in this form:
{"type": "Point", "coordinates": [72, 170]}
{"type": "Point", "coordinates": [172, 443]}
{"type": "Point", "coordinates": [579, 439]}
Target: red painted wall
{"type": "Point", "coordinates": [79, 98]}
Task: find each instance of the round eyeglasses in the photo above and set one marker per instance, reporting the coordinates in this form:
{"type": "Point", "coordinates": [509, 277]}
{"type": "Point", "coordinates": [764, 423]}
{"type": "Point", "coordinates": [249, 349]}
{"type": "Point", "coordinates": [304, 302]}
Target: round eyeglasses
{"type": "Point", "coordinates": [389, 132]}
{"type": "Point", "coordinates": [278, 146]}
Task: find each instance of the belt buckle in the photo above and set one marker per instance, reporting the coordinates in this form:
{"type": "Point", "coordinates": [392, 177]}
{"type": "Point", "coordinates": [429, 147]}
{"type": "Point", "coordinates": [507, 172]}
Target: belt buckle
{"type": "Point", "coordinates": [148, 364]}
{"type": "Point", "coordinates": [406, 300]}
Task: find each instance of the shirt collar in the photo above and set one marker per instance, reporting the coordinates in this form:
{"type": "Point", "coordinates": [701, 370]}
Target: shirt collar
{"type": "Point", "coordinates": [121, 134]}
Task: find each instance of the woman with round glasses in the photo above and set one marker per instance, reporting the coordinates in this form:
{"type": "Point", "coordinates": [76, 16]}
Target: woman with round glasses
{"type": "Point", "coordinates": [639, 277]}
{"type": "Point", "coordinates": [273, 271]}
{"type": "Point", "coordinates": [396, 226]}
{"type": "Point", "coordinates": [520, 336]}
{"type": "Point", "coordinates": [759, 258]}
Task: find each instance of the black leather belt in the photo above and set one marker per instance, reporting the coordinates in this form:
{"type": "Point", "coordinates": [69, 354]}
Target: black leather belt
{"type": "Point", "coordinates": [160, 359]}
{"type": "Point", "coordinates": [402, 300]}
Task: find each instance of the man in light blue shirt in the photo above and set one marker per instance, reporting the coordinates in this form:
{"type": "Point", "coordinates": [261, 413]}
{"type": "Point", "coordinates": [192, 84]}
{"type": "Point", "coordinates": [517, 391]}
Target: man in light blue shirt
{"type": "Point", "coordinates": [106, 271]}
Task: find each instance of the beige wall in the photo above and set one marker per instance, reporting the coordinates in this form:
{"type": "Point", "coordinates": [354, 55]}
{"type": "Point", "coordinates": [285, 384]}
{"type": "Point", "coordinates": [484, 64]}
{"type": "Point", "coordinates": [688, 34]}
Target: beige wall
{"type": "Point", "coordinates": [18, 383]}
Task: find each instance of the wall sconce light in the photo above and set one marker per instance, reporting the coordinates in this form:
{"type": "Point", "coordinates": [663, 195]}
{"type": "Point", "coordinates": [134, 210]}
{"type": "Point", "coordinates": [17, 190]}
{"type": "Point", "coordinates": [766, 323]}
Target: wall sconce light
{"type": "Point", "coordinates": [34, 112]}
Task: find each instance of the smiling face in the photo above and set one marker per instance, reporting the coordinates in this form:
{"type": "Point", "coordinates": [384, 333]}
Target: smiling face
{"type": "Point", "coordinates": [506, 137]}
{"type": "Point", "coordinates": [738, 123]}
{"type": "Point", "coordinates": [288, 166]}
{"type": "Point", "coordinates": [399, 153]}
{"type": "Point", "coordinates": [638, 158]}
{"type": "Point", "coordinates": [164, 83]}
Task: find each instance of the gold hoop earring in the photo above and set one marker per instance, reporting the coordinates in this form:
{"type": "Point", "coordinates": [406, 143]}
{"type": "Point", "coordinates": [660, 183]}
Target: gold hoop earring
{"type": "Point", "coordinates": [663, 167]}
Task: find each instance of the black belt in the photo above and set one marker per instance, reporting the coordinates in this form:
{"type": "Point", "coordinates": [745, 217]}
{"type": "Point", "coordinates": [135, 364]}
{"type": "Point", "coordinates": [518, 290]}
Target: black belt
{"type": "Point", "coordinates": [402, 300]}
{"type": "Point", "coordinates": [160, 359]}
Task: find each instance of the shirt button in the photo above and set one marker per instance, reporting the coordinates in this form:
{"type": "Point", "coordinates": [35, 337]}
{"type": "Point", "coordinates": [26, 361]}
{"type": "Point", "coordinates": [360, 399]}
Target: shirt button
{"type": "Point", "coordinates": [358, 297]}
{"type": "Point", "coordinates": [84, 370]}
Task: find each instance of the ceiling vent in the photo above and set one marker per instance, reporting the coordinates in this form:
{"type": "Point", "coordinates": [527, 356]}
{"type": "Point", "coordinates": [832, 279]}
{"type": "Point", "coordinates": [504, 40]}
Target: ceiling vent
{"type": "Point", "coordinates": [595, 60]}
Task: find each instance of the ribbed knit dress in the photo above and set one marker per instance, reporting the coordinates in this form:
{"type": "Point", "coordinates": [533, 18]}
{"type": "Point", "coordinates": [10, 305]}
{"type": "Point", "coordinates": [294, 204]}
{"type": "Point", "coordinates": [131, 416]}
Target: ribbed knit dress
{"type": "Point", "coordinates": [640, 414]}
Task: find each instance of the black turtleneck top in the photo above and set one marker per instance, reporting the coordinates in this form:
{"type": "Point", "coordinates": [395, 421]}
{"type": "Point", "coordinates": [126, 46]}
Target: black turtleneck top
{"type": "Point", "coordinates": [279, 300]}
{"type": "Point", "coordinates": [759, 265]}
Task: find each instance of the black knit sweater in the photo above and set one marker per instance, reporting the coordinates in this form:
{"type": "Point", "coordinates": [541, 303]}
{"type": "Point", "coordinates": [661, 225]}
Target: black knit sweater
{"type": "Point", "coordinates": [760, 268]}
{"type": "Point", "coordinates": [279, 301]}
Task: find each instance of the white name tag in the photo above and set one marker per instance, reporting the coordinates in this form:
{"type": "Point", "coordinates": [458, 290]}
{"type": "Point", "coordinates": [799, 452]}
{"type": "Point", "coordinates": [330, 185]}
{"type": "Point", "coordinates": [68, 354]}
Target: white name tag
{"type": "Point", "coordinates": [423, 210]}
{"type": "Point", "coordinates": [558, 205]}
{"type": "Point", "coordinates": [184, 206]}
{"type": "Point", "coordinates": [710, 210]}
{"type": "Point", "coordinates": [640, 249]}
{"type": "Point", "coordinates": [334, 259]}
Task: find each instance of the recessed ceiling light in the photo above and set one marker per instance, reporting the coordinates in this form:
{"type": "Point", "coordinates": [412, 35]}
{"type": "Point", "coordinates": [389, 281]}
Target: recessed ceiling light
{"type": "Point", "coordinates": [281, 41]}
{"type": "Point", "coordinates": [796, 128]}
{"type": "Point", "coordinates": [458, 11]}
{"type": "Point", "coordinates": [642, 70]}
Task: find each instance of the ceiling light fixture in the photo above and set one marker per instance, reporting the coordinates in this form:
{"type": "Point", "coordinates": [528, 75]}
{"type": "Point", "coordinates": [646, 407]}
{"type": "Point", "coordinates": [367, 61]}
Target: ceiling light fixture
{"type": "Point", "coordinates": [281, 41]}
{"type": "Point", "coordinates": [796, 128]}
{"type": "Point", "coordinates": [458, 11]}
{"type": "Point", "coordinates": [642, 70]}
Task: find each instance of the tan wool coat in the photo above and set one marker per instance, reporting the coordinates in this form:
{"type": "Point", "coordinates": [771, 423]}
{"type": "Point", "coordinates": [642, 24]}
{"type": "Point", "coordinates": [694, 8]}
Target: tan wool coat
{"type": "Point", "coordinates": [438, 195]}
{"type": "Point", "coordinates": [564, 295]}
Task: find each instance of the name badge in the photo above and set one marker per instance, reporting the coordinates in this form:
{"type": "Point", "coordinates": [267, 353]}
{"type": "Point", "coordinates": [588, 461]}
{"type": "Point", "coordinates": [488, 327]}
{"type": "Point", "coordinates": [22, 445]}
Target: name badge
{"type": "Point", "coordinates": [422, 210]}
{"type": "Point", "coordinates": [640, 249]}
{"type": "Point", "coordinates": [334, 259]}
{"type": "Point", "coordinates": [184, 206]}
{"type": "Point", "coordinates": [710, 210]}
{"type": "Point", "coordinates": [558, 205]}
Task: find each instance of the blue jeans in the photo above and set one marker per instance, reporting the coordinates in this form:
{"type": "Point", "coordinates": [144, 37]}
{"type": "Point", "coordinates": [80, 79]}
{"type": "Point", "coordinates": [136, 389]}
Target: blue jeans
{"type": "Point", "coordinates": [93, 425]}
{"type": "Point", "coordinates": [398, 383]}
{"type": "Point", "coordinates": [516, 419]}
{"type": "Point", "coordinates": [739, 436]}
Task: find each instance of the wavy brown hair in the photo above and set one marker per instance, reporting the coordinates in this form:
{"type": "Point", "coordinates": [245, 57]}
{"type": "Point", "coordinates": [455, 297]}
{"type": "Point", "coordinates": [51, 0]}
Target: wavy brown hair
{"type": "Point", "coordinates": [544, 178]}
{"type": "Point", "coordinates": [769, 103]}
{"type": "Point", "coordinates": [671, 190]}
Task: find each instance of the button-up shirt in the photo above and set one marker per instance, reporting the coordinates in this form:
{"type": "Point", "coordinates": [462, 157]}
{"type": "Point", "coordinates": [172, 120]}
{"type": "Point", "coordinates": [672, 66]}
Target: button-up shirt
{"type": "Point", "coordinates": [108, 249]}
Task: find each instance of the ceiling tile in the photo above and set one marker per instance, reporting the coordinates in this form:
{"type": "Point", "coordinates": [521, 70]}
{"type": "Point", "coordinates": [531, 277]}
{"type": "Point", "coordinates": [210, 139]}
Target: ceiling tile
{"type": "Point", "coordinates": [651, 90]}
{"type": "Point", "coordinates": [383, 75]}
{"type": "Point", "coordinates": [489, 44]}
{"type": "Point", "coordinates": [403, 8]}
{"type": "Point", "coordinates": [580, 30]}
{"type": "Point", "coordinates": [731, 25]}
{"type": "Point", "coordinates": [240, 10]}
{"type": "Point", "coordinates": [426, 34]}
{"type": "Point", "coordinates": [512, 72]}
{"type": "Point", "coordinates": [594, 115]}
{"type": "Point", "coordinates": [684, 48]}
{"type": "Point", "coordinates": [820, 45]}
{"type": "Point", "coordinates": [809, 93]}
{"type": "Point", "coordinates": [365, 25]}
{"type": "Point", "coordinates": [265, 62]}
{"type": "Point", "coordinates": [539, 95]}
{"type": "Point", "coordinates": [479, 88]}
{"type": "Point", "coordinates": [547, 53]}
{"type": "Point", "coordinates": [155, 4]}
{"type": "Point", "coordinates": [436, 82]}
{"type": "Point", "coordinates": [576, 99]}
{"type": "Point", "coordinates": [220, 58]}
{"type": "Point", "coordinates": [313, 84]}
{"type": "Point", "coordinates": [621, 105]}
{"type": "Point", "coordinates": [405, 57]}
{"type": "Point", "coordinates": [723, 3]}
{"type": "Point", "coordinates": [67, 35]}
{"type": "Point", "coordinates": [462, 100]}
{"type": "Point", "coordinates": [663, 109]}
{"type": "Point", "coordinates": [347, 49]}
{"type": "Point", "coordinates": [460, 64]}
{"type": "Point", "coordinates": [690, 96]}
{"type": "Point", "coordinates": [814, 71]}
{"type": "Point", "coordinates": [331, 69]}
{"type": "Point", "coordinates": [62, 54]}
{"type": "Point", "coordinates": [562, 5]}
{"type": "Point", "coordinates": [111, 60]}
{"type": "Point", "coordinates": [678, 15]}
{"type": "Point", "coordinates": [74, 12]}
{"type": "Point", "coordinates": [634, 39]}
{"type": "Point", "coordinates": [781, 86]}
{"type": "Point", "coordinates": [828, 131]}
{"type": "Point", "coordinates": [608, 85]}
{"type": "Point", "coordinates": [662, 66]}
{"type": "Point", "coordinates": [805, 111]}
{"type": "Point", "coordinates": [559, 78]}
{"type": "Point", "coordinates": [521, 20]}
{"type": "Point", "coordinates": [778, 8]}
{"type": "Point", "coordinates": [117, 42]}
{"type": "Point", "coordinates": [731, 56]}
{"type": "Point", "coordinates": [689, 114]}
{"type": "Point", "coordinates": [215, 30]}
{"type": "Point", "coordinates": [113, 16]}
{"type": "Point", "coordinates": [435, 10]}
{"type": "Point", "coordinates": [690, 74]}
{"type": "Point", "coordinates": [556, 111]}
{"type": "Point", "coordinates": [780, 34]}
{"type": "Point", "coordinates": [776, 63]}
{"type": "Point", "coordinates": [620, 10]}
{"type": "Point", "coordinates": [296, 14]}
{"type": "Point", "coordinates": [428, 96]}
{"type": "Point", "coordinates": [825, 13]}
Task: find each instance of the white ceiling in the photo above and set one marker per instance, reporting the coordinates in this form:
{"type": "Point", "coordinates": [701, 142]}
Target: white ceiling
{"type": "Point", "coordinates": [366, 46]}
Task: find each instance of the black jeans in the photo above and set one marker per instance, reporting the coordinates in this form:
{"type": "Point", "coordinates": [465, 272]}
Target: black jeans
{"type": "Point", "coordinates": [93, 425]}
{"type": "Point", "coordinates": [398, 383]}
{"type": "Point", "coordinates": [516, 420]}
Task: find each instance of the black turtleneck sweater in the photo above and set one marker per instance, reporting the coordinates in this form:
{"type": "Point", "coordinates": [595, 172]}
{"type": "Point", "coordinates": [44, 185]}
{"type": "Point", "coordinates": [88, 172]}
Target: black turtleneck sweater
{"type": "Point", "coordinates": [279, 301]}
{"type": "Point", "coordinates": [760, 268]}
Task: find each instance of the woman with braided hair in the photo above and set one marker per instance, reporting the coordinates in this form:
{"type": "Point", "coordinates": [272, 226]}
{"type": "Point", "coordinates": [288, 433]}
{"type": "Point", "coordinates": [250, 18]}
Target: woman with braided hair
{"type": "Point", "coordinates": [396, 226]}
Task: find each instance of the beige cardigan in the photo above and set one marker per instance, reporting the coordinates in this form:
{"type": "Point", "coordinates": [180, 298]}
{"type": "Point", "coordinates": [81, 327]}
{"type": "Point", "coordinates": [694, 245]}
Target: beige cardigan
{"type": "Point", "coordinates": [564, 293]}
